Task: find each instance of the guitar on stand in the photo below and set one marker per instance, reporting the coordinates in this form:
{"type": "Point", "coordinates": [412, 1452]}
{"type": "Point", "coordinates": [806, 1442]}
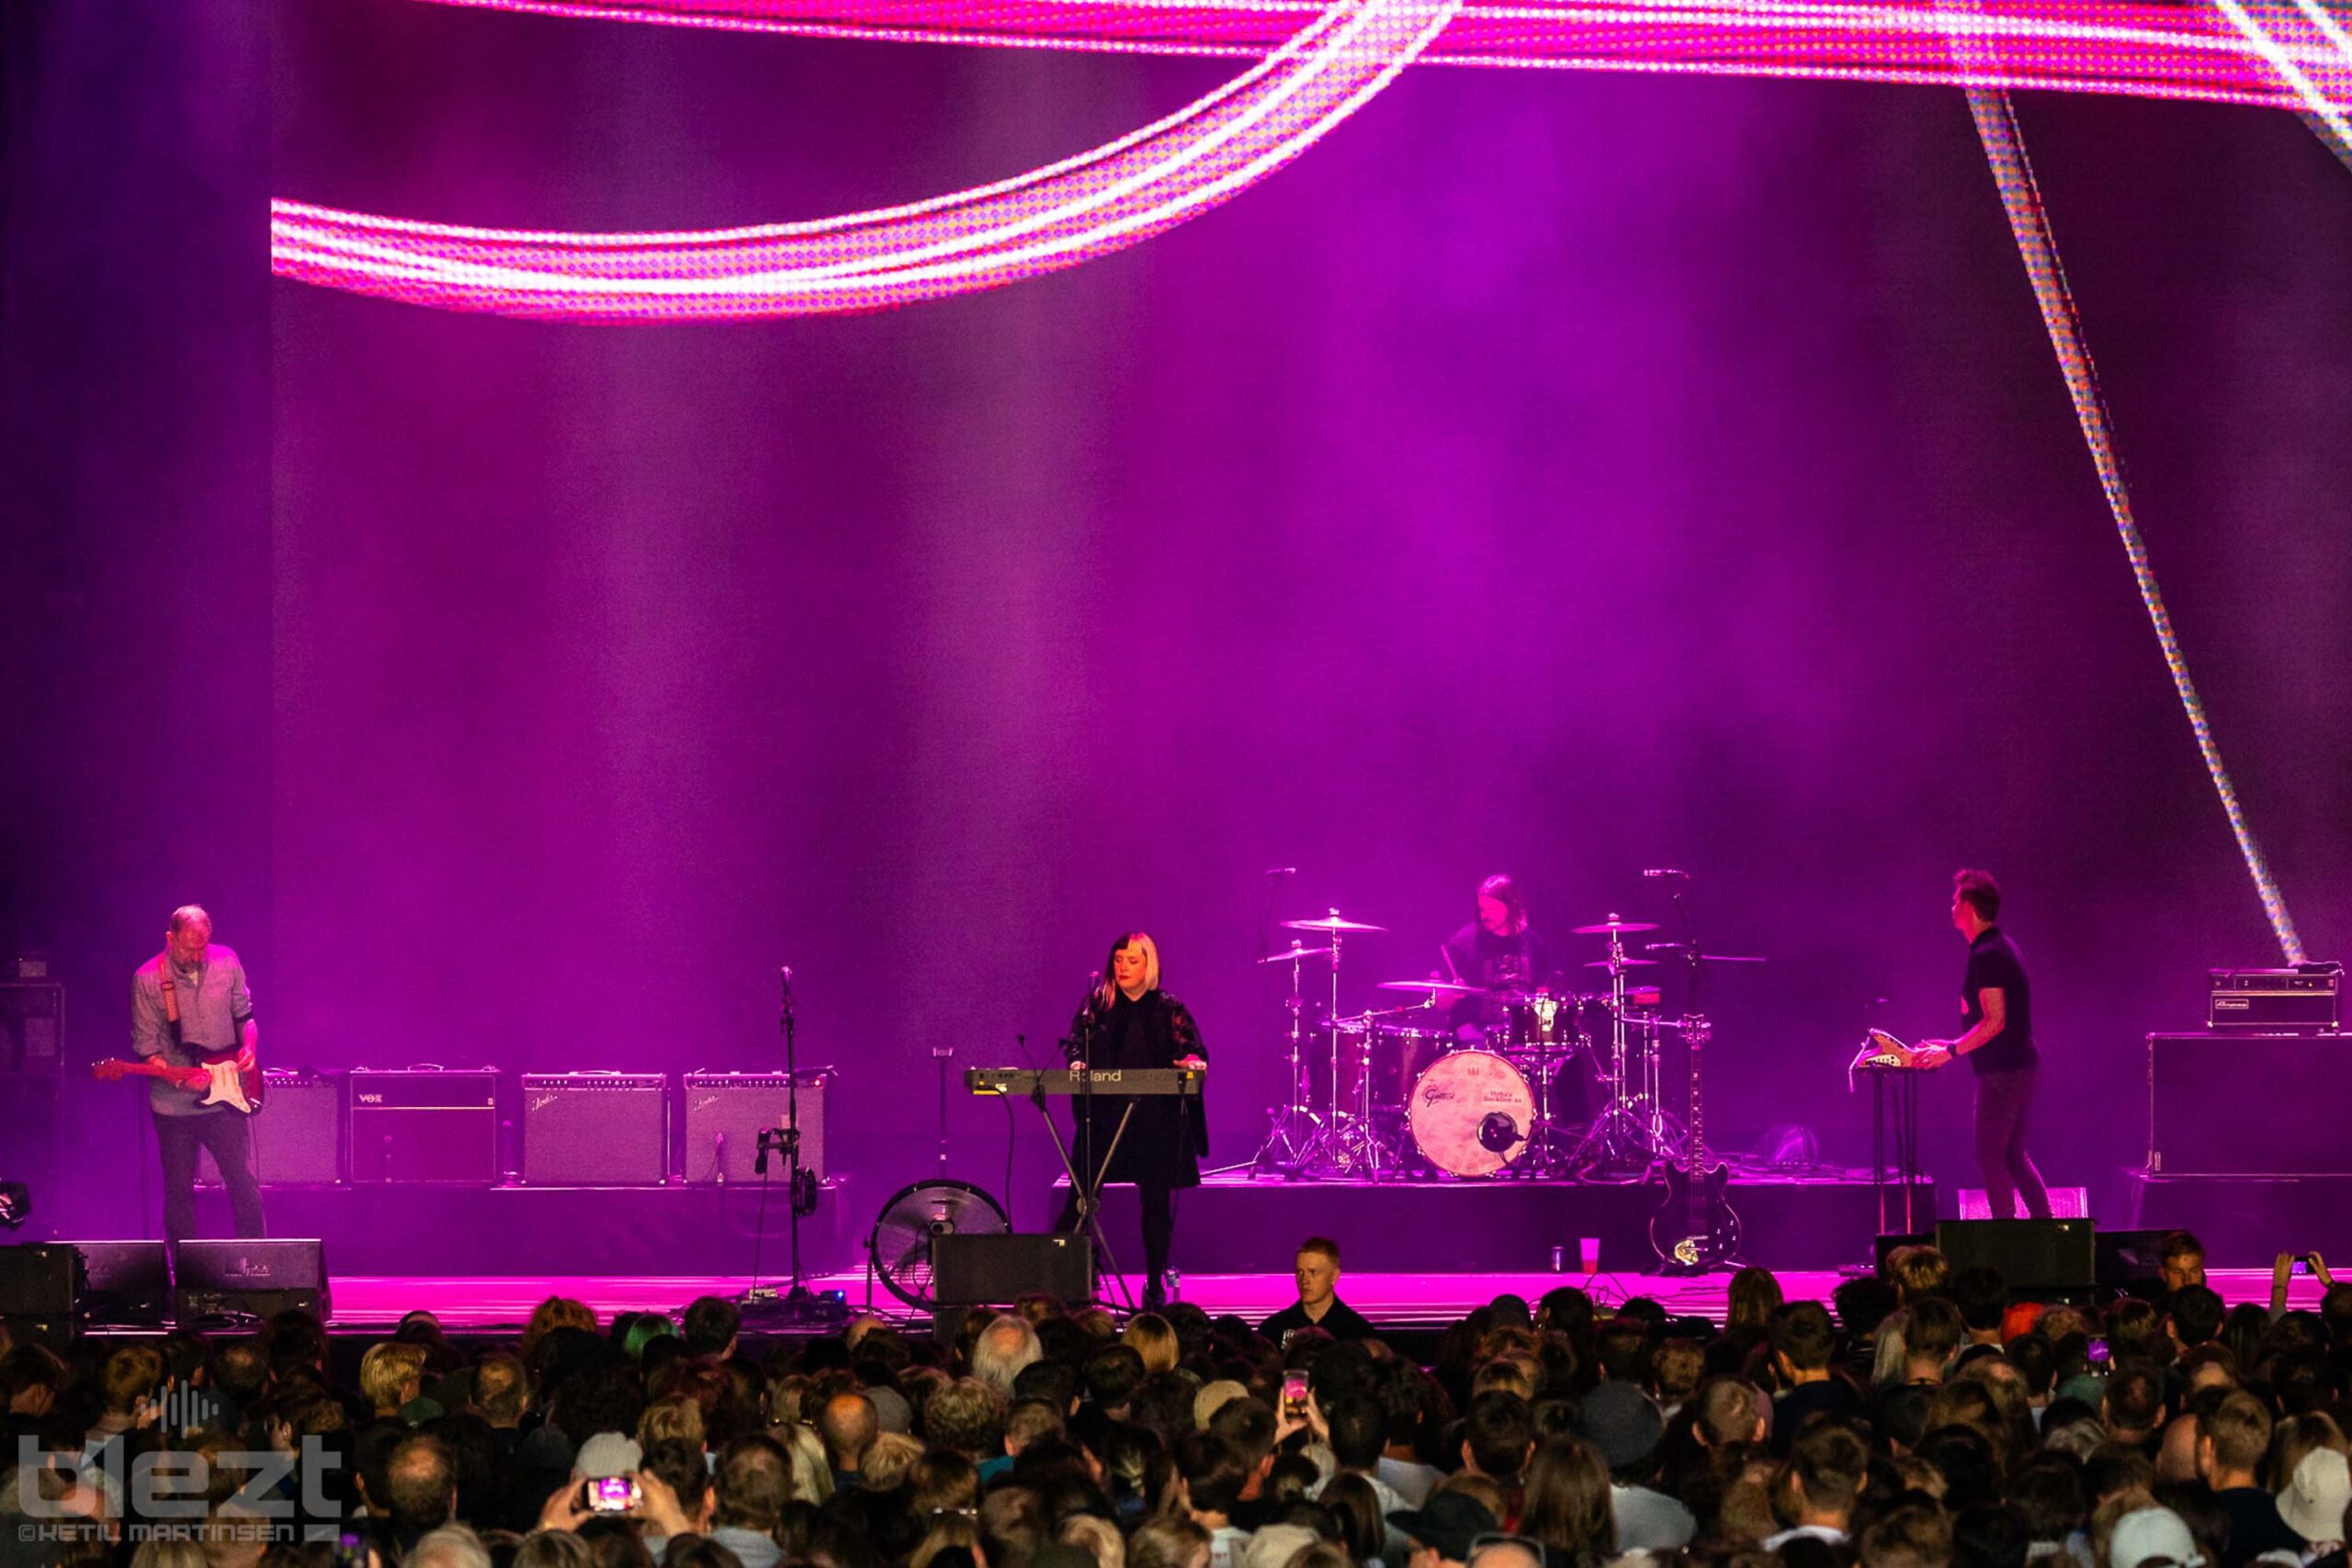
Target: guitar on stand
{"type": "Point", "coordinates": [224, 1078]}
{"type": "Point", "coordinates": [1695, 1230]}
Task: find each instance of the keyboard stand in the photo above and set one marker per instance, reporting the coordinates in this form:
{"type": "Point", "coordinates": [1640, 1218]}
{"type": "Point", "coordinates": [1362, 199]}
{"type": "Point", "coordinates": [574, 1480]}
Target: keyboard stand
{"type": "Point", "coordinates": [1089, 1194]}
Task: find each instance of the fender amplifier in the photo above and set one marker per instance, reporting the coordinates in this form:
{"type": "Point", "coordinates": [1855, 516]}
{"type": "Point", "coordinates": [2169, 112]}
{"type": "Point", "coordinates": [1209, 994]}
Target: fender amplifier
{"type": "Point", "coordinates": [2279, 1001]}
{"type": "Point", "coordinates": [297, 1135]}
{"type": "Point", "coordinates": [726, 1111]}
{"type": "Point", "coordinates": [423, 1125]}
{"type": "Point", "coordinates": [595, 1129]}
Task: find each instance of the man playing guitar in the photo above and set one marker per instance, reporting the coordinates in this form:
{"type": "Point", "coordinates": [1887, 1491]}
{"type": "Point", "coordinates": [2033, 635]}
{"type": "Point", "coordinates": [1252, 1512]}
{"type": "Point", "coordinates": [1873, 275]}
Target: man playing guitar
{"type": "Point", "coordinates": [188, 1004]}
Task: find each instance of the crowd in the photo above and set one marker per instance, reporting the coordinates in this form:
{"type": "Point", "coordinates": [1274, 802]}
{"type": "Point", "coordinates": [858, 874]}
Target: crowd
{"type": "Point", "coordinates": [1922, 1419]}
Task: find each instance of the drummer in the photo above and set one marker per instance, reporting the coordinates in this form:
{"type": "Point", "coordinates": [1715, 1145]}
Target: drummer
{"type": "Point", "coordinates": [1499, 954]}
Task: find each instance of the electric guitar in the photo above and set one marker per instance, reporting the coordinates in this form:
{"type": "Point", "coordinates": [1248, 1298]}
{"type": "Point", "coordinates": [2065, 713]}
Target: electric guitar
{"type": "Point", "coordinates": [222, 1080]}
{"type": "Point", "coordinates": [1694, 1229]}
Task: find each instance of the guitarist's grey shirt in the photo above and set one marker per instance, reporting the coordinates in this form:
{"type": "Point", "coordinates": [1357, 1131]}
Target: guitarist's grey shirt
{"type": "Point", "coordinates": [214, 1004]}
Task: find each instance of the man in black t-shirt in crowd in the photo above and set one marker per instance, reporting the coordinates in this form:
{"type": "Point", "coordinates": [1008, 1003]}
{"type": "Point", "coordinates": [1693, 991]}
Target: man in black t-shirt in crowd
{"type": "Point", "coordinates": [1996, 1005]}
{"type": "Point", "coordinates": [1318, 1305]}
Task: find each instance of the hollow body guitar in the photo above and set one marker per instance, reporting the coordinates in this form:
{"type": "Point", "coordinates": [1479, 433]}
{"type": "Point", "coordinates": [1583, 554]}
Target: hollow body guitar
{"type": "Point", "coordinates": [1695, 1229]}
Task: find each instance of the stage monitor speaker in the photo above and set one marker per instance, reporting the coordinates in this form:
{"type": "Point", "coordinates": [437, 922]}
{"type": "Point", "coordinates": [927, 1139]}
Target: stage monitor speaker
{"type": "Point", "coordinates": [2294, 1128]}
{"type": "Point", "coordinates": [996, 1270]}
{"type": "Point", "coordinates": [39, 1280]}
{"type": "Point", "coordinates": [726, 1113]}
{"type": "Point", "coordinates": [127, 1283]}
{"type": "Point", "coordinates": [298, 1133]}
{"type": "Point", "coordinates": [595, 1129]}
{"type": "Point", "coordinates": [2031, 1255]}
{"type": "Point", "coordinates": [259, 1277]}
{"type": "Point", "coordinates": [423, 1124]}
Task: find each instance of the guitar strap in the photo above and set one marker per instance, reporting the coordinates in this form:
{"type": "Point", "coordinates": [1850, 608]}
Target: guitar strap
{"type": "Point", "coordinates": [171, 1002]}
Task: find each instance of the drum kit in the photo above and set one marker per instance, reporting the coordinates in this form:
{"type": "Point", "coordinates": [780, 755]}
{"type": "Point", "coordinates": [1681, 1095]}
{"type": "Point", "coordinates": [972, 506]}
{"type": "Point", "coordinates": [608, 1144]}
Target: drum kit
{"type": "Point", "coordinates": [1490, 1062]}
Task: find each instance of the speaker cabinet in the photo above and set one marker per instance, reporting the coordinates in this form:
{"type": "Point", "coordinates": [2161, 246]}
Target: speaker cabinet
{"type": "Point", "coordinates": [2031, 1255]}
{"type": "Point", "coordinates": [39, 1280]}
{"type": "Point", "coordinates": [726, 1111]}
{"type": "Point", "coordinates": [423, 1124]}
{"type": "Point", "coordinates": [259, 1277]}
{"type": "Point", "coordinates": [595, 1129]}
{"type": "Point", "coordinates": [125, 1283]}
{"type": "Point", "coordinates": [995, 1270]}
{"type": "Point", "coordinates": [2296, 1130]}
{"type": "Point", "coordinates": [297, 1133]}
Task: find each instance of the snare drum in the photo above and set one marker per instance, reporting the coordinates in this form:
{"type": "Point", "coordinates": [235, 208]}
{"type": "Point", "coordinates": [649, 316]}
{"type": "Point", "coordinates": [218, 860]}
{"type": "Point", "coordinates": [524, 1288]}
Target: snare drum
{"type": "Point", "coordinates": [1461, 1105]}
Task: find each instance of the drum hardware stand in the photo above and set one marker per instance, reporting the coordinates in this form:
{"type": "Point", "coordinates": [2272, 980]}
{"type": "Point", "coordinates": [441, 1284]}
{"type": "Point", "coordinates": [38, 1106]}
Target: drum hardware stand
{"type": "Point", "coordinates": [1632, 1129]}
{"type": "Point", "coordinates": [1296, 1126]}
{"type": "Point", "coordinates": [1346, 1144]}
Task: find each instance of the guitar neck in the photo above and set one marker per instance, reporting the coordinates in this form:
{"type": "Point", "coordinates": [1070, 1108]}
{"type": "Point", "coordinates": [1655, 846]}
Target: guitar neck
{"type": "Point", "coordinates": [1698, 1115]}
{"type": "Point", "coordinates": [150, 1068]}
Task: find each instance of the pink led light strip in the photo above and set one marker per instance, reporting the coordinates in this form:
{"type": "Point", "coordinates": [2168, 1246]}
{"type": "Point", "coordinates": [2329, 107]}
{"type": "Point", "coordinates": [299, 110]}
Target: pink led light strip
{"type": "Point", "coordinates": [1060, 216]}
{"type": "Point", "coordinates": [1318, 67]}
{"type": "Point", "coordinates": [2162, 51]}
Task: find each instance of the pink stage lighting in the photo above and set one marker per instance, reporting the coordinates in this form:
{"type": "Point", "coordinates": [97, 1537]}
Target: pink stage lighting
{"type": "Point", "coordinates": [1314, 67]}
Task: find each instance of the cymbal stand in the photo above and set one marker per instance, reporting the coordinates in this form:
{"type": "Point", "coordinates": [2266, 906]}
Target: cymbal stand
{"type": "Point", "coordinates": [1625, 1133]}
{"type": "Point", "coordinates": [1347, 1144]}
{"type": "Point", "coordinates": [1295, 1124]}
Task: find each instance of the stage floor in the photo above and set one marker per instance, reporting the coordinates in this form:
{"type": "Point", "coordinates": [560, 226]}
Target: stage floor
{"type": "Point", "coordinates": [482, 1304]}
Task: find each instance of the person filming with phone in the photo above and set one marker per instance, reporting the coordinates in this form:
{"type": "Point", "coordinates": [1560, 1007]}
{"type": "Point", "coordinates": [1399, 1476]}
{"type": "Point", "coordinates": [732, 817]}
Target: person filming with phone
{"type": "Point", "coordinates": [1318, 1305]}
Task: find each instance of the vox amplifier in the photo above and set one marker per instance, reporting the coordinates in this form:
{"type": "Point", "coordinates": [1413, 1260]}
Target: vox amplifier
{"type": "Point", "coordinates": [423, 1125]}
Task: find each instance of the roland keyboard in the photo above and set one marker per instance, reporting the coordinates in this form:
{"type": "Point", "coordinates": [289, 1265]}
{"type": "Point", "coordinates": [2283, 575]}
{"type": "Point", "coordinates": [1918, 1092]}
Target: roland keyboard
{"type": "Point", "coordinates": [1124, 1081]}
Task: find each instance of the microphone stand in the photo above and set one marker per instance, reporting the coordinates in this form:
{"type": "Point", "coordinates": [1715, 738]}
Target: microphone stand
{"type": "Point", "coordinates": [799, 1306]}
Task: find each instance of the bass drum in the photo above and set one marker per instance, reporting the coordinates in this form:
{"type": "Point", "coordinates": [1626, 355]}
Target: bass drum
{"type": "Point", "coordinates": [1470, 1113]}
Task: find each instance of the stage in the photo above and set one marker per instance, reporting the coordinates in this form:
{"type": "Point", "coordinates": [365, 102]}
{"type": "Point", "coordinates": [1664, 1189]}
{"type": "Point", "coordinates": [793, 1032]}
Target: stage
{"type": "Point", "coordinates": [1403, 1300]}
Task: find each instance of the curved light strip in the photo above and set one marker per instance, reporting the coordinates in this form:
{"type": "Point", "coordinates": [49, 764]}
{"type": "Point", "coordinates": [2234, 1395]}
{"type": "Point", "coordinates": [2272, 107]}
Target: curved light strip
{"type": "Point", "coordinates": [1997, 126]}
{"type": "Point", "coordinates": [1318, 66]}
{"type": "Point", "coordinates": [2160, 51]}
{"type": "Point", "coordinates": [1113, 195]}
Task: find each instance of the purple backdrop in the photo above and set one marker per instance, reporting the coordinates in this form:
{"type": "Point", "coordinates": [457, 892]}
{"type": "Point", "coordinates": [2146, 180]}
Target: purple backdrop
{"type": "Point", "coordinates": [1554, 472]}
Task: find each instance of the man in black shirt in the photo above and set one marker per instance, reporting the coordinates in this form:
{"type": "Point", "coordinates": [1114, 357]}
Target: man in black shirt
{"type": "Point", "coordinates": [1997, 1006]}
{"type": "Point", "coordinates": [1318, 1305]}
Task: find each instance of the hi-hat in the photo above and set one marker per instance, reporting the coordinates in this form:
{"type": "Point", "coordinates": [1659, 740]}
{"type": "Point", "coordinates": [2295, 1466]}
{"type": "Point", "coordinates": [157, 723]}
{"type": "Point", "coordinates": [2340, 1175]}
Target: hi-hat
{"type": "Point", "coordinates": [1439, 988]}
{"type": "Point", "coordinates": [1335, 922]}
{"type": "Point", "coordinates": [1294, 953]}
{"type": "Point", "coordinates": [1613, 924]}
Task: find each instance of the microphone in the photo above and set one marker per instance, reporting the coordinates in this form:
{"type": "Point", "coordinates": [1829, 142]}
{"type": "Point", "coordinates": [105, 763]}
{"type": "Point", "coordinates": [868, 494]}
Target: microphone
{"type": "Point", "coordinates": [786, 974]}
{"type": "Point", "coordinates": [1666, 871]}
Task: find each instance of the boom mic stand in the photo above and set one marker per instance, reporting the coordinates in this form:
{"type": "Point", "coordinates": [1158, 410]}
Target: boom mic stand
{"type": "Point", "coordinates": [799, 1306]}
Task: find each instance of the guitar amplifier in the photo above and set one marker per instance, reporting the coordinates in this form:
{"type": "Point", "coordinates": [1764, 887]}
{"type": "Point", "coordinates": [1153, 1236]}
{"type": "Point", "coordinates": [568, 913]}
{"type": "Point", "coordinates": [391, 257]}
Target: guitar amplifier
{"type": "Point", "coordinates": [297, 1133]}
{"type": "Point", "coordinates": [423, 1125]}
{"type": "Point", "coordinates": [595, 1129]}
{"type": "Point", "coordinates": [2289, 1123]}
{"type": "Point", "coordinates": [2279, 1001]}
{"type": "Point", "coordinates": [726, 1111]}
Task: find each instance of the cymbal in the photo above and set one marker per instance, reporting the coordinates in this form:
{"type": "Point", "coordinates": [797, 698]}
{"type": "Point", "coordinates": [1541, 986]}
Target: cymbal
{"type": "Point", "coordinates": [1441, 987]}
{"type": "Point", "coordinates": [1295, 951]}
{"type": "Point", "coordinates": [1331, 922]}
{"type": "Point", "coordinates": [1623, 963]}
{"type": "Point", "coordinates": [1703, 957]}
{"type": "Point", "coordinates": [1613, 924]}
